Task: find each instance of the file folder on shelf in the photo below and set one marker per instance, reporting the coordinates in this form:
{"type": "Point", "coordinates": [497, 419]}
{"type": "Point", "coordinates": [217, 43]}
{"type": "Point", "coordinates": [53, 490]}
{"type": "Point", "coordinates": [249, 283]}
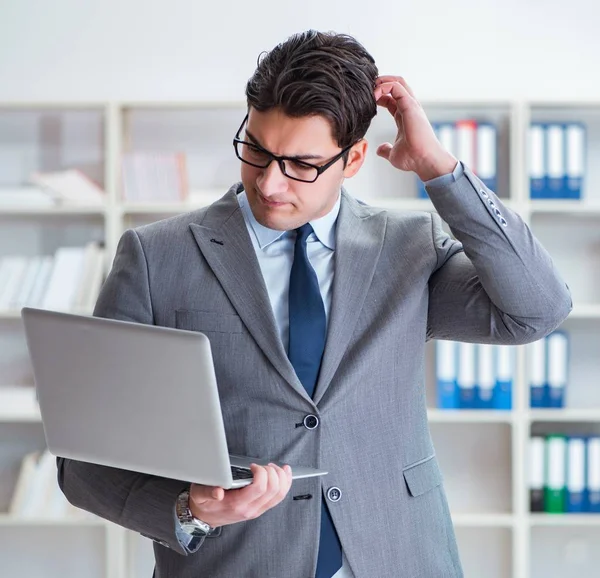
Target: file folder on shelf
{"type": "Point", "coordinates": [486, 376]}
{"type": "Point", "coordinates": [466, 142]}
{"type": "Point", "coordinates": [446, 134]}
{"type": "Point", "coordinates": [575, 498]}
{"type": "Point", "coordinates": [557, 355]}
{"type": "Point", "coordinates": [537, 450]}
{"type": "Point", "coordinates": [555, 485]}
{"type": "Point", "coordinates": [556, 161]}
{"type": "Point", "coordinates": [537, 161]}
{"type": "Point", "coordinates": [487, 154]}
{"type": "Point", "coordinates": [466, 376]}
{"type": "Point", "coordinates": [575, 138]}
{"type": "Point", "coordinates": [593, 474]}
{"type": "Point", "coordinates": [504, 376]}
{"type": "Point", "coordinates": [537, 373]}
{"type": "Point", "coordinates": [446, 360]}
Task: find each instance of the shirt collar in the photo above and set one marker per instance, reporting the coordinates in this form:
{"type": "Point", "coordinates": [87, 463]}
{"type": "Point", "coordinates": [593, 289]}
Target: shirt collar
{"type": "Point", "coordinates": [324, 227]}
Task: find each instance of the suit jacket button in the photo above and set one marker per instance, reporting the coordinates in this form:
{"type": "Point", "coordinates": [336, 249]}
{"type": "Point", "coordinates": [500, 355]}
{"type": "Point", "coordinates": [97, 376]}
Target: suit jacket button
{"type": "Point", "coordinates": [311, 422]}
{"type": "Point", "coordinates": [334, 494]}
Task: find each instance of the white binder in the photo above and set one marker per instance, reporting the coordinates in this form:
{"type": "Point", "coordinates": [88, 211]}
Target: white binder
{"type": "Point", "coordinates": [557, 351]}
{"type": "Point", "coordinates": [537, 161]}
{"type": "Point", "coordinates": [575, 474]}
{"type": "Point", "coordinates": [575, 153]}
{"type": "Point", "coordinates": [593, 473]}
{"type": "Point", "coordinates": [487, 154]}
{"type": "Point", "coordinates": [537, 373]}
{"type": "Point", "coordinates": [486, 375]}
{"type": "Point", "coordinates": [446, 352]}
{"type": "Point", "coordinates": [537, 464]}
{"type": "Point", "coordinates": [556, 161]}
{"type": "Point", "coordinates": [466, 375]}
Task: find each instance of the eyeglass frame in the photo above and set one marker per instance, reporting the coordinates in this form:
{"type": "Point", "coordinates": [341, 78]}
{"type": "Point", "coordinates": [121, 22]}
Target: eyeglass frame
{"type": "Point", "coordinates": [280, 159]}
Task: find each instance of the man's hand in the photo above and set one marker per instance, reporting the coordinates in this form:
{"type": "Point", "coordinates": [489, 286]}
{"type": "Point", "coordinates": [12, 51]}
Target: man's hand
{"type": "Point", "coordinates": [219, 507]}
{"type": "Point", "coordinates": [416, 148]}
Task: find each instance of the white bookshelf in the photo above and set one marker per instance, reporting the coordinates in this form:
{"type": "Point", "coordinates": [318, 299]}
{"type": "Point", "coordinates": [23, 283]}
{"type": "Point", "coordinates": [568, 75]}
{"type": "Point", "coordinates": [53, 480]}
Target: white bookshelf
{"type": "Point", "coordinates": [482, 453]}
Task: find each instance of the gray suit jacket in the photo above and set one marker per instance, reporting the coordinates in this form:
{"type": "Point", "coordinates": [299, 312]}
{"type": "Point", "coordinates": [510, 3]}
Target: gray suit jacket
{"type": "Point", "coordinates": [399, 281]}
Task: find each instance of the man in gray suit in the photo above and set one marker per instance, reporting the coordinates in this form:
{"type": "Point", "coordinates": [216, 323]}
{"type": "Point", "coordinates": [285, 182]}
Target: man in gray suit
{"type": "Point", "coordinates": [318, 308]}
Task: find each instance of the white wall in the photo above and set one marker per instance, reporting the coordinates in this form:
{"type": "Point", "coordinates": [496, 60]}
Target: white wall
{"type": "Point", "coordinates": [193, 49]}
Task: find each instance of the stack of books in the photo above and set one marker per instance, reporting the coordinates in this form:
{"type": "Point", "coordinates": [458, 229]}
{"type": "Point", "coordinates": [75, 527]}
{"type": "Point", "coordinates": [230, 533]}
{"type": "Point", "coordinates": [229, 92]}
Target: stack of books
{"type": "Point", "coordinates": [37, 494]}
{"type": "Point", "coordinates": [61, 188]}
{"type": "Point", "coordinates": [155, 177]}
{"type": "Point", "coordinates": [69, 280]}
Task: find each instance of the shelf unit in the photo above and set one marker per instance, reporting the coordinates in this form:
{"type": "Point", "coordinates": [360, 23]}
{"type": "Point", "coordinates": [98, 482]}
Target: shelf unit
{"type": "Point", "coordinates": [494, 528]}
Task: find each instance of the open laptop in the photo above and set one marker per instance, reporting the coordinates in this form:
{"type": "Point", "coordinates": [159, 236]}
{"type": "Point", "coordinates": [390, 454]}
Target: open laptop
{"type": "Point", "coordinates": [133, 396]}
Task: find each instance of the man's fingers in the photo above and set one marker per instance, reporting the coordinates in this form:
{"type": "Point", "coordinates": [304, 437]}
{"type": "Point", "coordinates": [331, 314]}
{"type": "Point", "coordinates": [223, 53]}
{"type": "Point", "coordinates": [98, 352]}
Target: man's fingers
{"type": "Point", "coordinates": [271, 489]}
{"type": "Point", "coordinates": [281, 486]}
{"type": "Point", "coordinates": [397, 92]}
{"type": "Point", "coordinates": [384, 150]}
{"type": "Point", "coordinates": [391, 78]}
{"type": "Point", "coordinates": [388, 102]}
{"type": "Point", "coordinates": [252, 491]}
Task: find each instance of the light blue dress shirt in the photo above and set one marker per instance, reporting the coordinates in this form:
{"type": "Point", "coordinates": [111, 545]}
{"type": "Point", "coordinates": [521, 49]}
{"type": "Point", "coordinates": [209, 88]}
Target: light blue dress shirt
{"type": "Point", "coordinates": [275, 253]}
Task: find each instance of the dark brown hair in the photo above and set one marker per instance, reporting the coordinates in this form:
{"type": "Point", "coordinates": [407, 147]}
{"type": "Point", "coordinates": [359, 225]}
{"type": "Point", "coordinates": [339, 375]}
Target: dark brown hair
{"type": "Point", "coordinates": [318, 73]}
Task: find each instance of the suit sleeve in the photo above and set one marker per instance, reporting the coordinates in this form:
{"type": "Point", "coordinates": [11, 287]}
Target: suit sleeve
{"type": "Point", "coordinates": [493, 283]}
{"type": "Point", "coordinates": [139, 502]}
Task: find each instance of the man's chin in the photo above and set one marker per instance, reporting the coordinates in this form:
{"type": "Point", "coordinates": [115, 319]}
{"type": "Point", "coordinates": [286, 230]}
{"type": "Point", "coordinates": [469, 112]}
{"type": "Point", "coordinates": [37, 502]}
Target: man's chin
{"type": "Point", "coordinates": [274, 223]}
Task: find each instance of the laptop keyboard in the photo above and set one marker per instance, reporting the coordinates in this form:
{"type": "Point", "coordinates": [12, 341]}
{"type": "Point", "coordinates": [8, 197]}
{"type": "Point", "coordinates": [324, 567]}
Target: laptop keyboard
{"type": "Point", "coordinates": [241, 473]}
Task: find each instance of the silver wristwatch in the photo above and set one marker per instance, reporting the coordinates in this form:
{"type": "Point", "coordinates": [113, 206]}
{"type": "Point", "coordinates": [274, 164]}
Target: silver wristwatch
{"type": "Point", "coordinates": [190, 524]}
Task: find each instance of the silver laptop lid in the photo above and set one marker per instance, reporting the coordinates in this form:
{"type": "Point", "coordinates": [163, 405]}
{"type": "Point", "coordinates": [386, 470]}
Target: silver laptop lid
{"type": "Point", "coordinates": [128, 395]}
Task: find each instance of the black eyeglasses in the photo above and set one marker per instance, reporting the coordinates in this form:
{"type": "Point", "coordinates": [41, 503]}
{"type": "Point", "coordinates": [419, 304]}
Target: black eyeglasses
{"type": "Point", "coordinates": [291, 167]}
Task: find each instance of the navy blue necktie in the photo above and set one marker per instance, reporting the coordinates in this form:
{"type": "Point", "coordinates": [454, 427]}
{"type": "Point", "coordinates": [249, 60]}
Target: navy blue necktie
{"type": "Point", "coordinates": [306, 345]}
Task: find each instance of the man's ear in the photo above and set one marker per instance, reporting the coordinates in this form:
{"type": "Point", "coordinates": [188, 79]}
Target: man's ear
{"type": "Point", "coordinates": [356, 158]}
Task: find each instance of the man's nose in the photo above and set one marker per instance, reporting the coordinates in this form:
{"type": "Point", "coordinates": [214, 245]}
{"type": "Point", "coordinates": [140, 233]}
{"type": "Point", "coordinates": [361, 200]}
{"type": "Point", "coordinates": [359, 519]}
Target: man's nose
{"type": "Point", "coordinates": [272, 180]}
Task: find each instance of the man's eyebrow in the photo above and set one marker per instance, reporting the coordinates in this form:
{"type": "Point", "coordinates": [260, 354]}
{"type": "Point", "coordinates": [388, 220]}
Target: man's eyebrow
{"type": "Point", "coordinates": [298, 157]}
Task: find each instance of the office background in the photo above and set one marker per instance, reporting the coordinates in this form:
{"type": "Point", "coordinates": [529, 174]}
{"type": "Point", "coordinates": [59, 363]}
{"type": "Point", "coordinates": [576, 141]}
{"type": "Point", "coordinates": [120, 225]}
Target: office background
{"type": "Point", "coordinates": [83, 84]}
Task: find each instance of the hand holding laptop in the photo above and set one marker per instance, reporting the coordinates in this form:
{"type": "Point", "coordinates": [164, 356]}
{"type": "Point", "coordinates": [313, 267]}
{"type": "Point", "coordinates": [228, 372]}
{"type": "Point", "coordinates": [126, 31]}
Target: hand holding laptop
{"type": "Point", "coordinates": [219, 507]}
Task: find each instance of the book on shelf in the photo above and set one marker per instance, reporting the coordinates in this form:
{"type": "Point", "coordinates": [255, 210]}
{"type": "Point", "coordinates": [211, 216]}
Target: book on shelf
{"type": "Point", "coordinates": [27, 196]}
{"type": "Point", "coordinates": [69, 280]}
{"type": "Point", "coordinates": [474, 376]}
{"type": "Point", "coordinates": [155, 177]}
{"type": "Point", "coordinates": [69, 186]}
{"type": "Point", "coordinates": [53, 189]}
{"type": "Point", "coordinates": [37, 494]}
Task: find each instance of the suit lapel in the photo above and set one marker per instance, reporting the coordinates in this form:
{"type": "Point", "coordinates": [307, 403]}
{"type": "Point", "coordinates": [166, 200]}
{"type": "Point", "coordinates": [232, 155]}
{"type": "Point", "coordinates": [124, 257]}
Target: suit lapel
{"type": "Point", "coordinates": [226, 245]}
{"type": "Point", "coordinates": [359, 239]}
